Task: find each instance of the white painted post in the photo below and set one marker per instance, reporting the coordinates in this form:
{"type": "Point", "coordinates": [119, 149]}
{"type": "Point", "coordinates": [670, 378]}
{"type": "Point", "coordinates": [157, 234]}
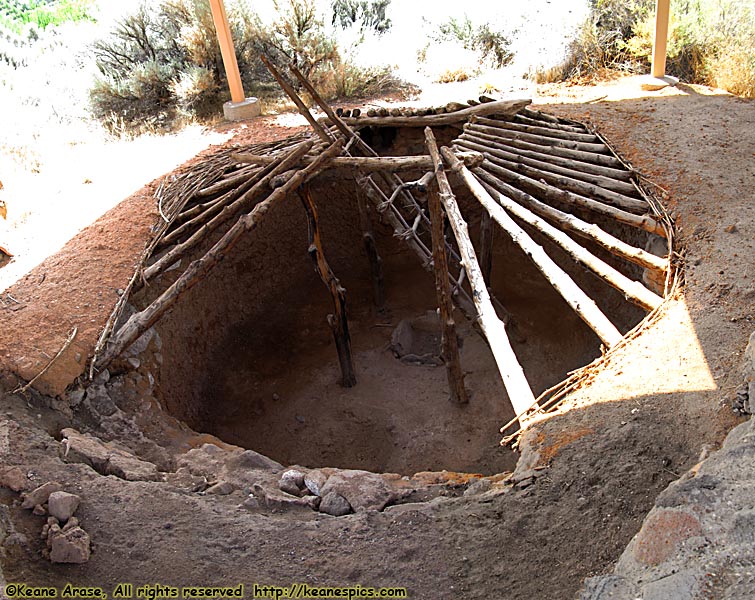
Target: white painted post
{"type": "Point", "coordinates": [662, 10]}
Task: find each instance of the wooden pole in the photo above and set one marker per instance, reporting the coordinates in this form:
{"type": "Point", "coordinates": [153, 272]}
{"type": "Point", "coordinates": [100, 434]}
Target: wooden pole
{"type": "Point", "coordinates": [580, 302]}
{"type": "Point", "coordinates": [227, 50]}
{"type": "Point", "coordinates": [517, 387]}
{"type": "Point", "coordinates": [633, 291]}
{"type": "Point", "coordinates": [370, 248]}
{"type": "Point", "coordinates": [582, 228]}
{"type": "Point", "coordinates": [338, 321]}
{"type": "Point", "coordinates": [449, 343]}
{"type": "Point", "coordinates": [660, 39]}
{"type": "Point", "coordinates": [486, 247]}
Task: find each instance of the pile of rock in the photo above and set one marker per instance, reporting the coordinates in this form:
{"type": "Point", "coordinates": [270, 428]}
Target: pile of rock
{"type": "Point", "coordinates": [67, 542]}
{"type": "Point", "coordinates": [333, 492]}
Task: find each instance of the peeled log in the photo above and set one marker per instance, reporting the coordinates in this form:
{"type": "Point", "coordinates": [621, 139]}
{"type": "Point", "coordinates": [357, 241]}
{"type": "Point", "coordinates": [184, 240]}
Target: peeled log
{"type": "Point", "coordinates": [580, 302]}
{"type": "Point", "coordinates": [518, 389]}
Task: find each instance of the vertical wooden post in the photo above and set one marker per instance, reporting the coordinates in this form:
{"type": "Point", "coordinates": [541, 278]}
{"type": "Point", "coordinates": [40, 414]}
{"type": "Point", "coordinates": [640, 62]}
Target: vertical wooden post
{"type": "Point", "coordinates": [662, 10]}
{"type": "Point", "coordinates": [227, 50]}
{"type": "Point", "coordinates": [338, 321]}
{"type": "Point", "coordinates": [449, 343]}
{"type": "Point", "coordinates": [370, 248]}
{"type": "Point", "coordinates": [486, 247]}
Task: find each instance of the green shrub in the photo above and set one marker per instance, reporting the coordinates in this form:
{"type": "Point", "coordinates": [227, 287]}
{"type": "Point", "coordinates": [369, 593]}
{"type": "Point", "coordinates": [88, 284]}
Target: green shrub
{"type": "Point", "coordinates": [162, 65]}
{"type": "Point", "coordinates": [369, 15]}
{"type": "Point", "coordinates": [709, 41]}
{"type": "Point", "coordinates": [491, 46]}
{"type": "Point", "coordinates": [16, 14]}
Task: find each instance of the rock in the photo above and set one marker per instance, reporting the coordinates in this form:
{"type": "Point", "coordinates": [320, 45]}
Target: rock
{"type": "Point", "coordinates": [314, 480]}
{"type": "Point", "coordinates": [70, 524]}
{"type": "Point", "coordinates": [99, 400]}
{"type": "Point", "coordinates": [662, 532]}
{"type": "Point", "coordinates": [13, 478]}
{"type": "Point", "coordinates": [39, 510]}
{"type": "Point", "coordinates": [40, 494]}
{"type": "Point", "coordinates": [62, 505]}
{"type": "Point", "coordinates": [334, 504]}
{"type": "Point", "coordinates": [731, 228]}
{"type": "Point", "coordinates": [278, 502]}
{"type": "Point", "coordinates": [72, 546]}
{"type": "Point", "coordinates": [104, 458]}
{"type": "Point", "coordinates": [249, 459]}
{"type": "Point", "coordinates": [362, 489]}
{"type": "Point", "coordinates": [292, 482]}
{"type": "Point", "coordinates": [478, 487]}
{"type": "Point", "coordinates": [222, 488]}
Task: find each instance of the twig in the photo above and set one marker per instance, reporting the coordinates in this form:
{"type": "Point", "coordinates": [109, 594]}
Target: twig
{"type": "Point", "coordinates": [68, 342]}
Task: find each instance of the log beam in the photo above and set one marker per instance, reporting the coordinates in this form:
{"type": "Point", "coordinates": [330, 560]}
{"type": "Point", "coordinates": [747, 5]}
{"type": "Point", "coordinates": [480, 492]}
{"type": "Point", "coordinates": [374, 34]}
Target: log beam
{"type": "Point", "coordinates": [518, 389]}
{"type": "Point", "coordinates": [371, 163]}
{"type": "Point", "coordinates": [582, 228]}
{"type": "Point", "coordinates": [580, 302]}
{"type": "Point", "coordinates": [501, 107]}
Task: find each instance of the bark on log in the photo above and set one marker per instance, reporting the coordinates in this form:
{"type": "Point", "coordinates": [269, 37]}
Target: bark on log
{"type": "Point", "coordinates": [540, 140]}
{"type": "Point", "coordinates": [337, 321]}
{"type": "Point", "coordinates": [590, 157]}
{"type": "Point", "coordinates": [522, 118]}
{"type": "Point", "coordinates": [141, 321]}
{"type": "Point", "coordinates": [579, 166]}
{"type": "Point", "coordinates": [486, 247]}
{"type": "Point", "coordinates": [227, 183]}
{"type": "Point", "coordinates": [449, 342]}
{"type": "Point", "coordinates": [518, 389]}
{"type": "Point", "coordinates": [502, 107]}
{"type": "Point", "coordinates": [544, 130]}
{"type": "Point", "coordinates": [541, 116]}
{"type": "Point", "coordinates": [582, 228]}
{"type": "Point", "coordinates": [228, 212]}
{"type": "Point", "coordinates": [633, 291]}
{"type": "Point", "coordinates": [614, 185]}
{"type": "Point", "coordinates": [321, 132]}
{"type": "Point", "coordinates": [576, 186]}
{"type": "Point", "coordinates": [580, 302]}
{"type": "Point", "coordinates": [644, 222]}
{"type": "Point", "coordinates": [372, 163]}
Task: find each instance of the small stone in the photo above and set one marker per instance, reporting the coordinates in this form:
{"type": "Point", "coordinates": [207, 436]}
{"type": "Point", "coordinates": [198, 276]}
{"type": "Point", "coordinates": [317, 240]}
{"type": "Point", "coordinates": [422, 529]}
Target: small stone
{"type": "Point", "coordinates": [39, 510]}
{"type": "Point", "coordinates": [62, 505]}
{"type": "Point", "coordinates": [334, 504]}
{"type": "Point", "coordinates": [72, 546]}
{"type": "Point", "coordinates": [40, 494]}
{"type": "Point", "coordinates": [275, 501]}
{"type": "Point", "coordinates": [276, 397]}
{"type": "Point", "coordinates": [13, 478]}
{"type": "Point", "coordinates": [291, 482]}
{"type": "Point", "coordinates": [134, 362]}
{"type": "Point", "coordinates": [314, 480]}
{"type": "Point", "coordinates": [731, 228]}
{"type": "Point", "coordinates": [70, 524]}
{"type": "Point", "coordinates": [478, 487]}
{"type": "Point", "coordinates": [222, 488]}
{"type": "Point", "coordinates": [45, 531]}
{"type": "Point", "coordinates": [301, 419]}
{"type": "Point", "coordinates": [363, 490]}
{"type": "Point", "coordinates": [52, 521]}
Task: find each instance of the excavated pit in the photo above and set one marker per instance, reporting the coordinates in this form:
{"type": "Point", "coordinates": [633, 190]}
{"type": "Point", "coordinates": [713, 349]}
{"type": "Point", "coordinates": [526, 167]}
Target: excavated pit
{"type": "Point", "coordinates": [247, 354]}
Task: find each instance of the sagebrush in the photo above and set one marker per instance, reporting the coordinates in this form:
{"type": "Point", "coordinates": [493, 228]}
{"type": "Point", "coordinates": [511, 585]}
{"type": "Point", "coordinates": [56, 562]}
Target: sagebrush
{"type": "Point", "coordinates": [162, 65]}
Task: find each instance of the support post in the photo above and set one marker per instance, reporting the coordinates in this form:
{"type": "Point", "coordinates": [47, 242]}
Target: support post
{"type": "Point", "coordinates": [486, 247]}
{"type": "Point", "coordinates": [338, 322]}
{"type": "Point", "coordinates": [370, 248]}
{"type": "Point", "coordinates": [449, 342]}
{"type": "Point", "coordinates": [660, 40]}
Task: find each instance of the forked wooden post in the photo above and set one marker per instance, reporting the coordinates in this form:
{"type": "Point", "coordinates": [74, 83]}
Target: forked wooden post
{"type": "Point", "coordinates": [518, 389]}
{"type": "Point", "coordinates": [449, 343]}
{"type": "Point", "coordinates": [337, 321]}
